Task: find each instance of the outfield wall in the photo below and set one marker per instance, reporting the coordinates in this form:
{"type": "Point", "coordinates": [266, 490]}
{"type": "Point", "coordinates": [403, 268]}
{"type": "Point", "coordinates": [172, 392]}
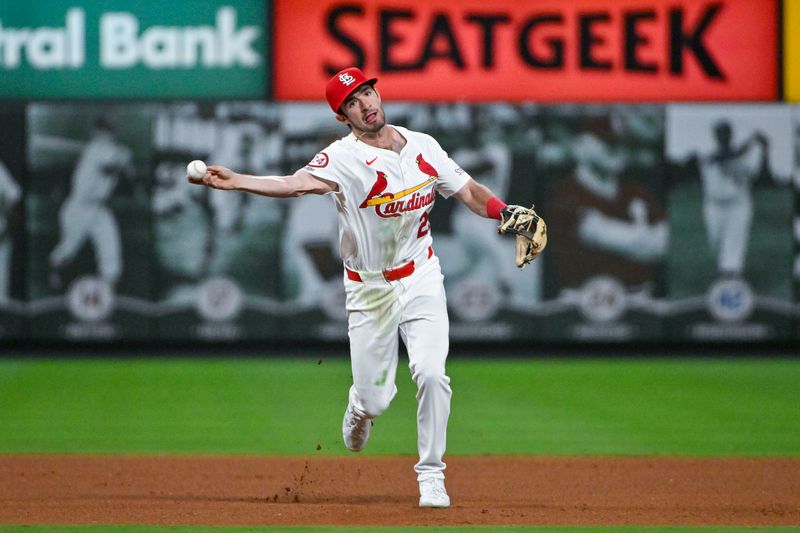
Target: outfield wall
{"type": "Point", "coordinates": [656, 233]}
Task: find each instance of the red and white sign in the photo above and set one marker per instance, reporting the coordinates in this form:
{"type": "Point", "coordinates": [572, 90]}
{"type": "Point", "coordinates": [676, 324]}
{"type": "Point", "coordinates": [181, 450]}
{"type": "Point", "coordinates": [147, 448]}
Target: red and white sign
{"type": "Point", "coordinates": [548, 50]}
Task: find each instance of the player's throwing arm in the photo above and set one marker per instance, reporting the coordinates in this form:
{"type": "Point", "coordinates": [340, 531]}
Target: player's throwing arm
{"type": "Point", "coordinates": [219, 177]}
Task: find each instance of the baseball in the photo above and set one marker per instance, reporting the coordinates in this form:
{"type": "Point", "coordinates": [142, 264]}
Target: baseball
{"type": "Point", "coordinates": [196, 169]}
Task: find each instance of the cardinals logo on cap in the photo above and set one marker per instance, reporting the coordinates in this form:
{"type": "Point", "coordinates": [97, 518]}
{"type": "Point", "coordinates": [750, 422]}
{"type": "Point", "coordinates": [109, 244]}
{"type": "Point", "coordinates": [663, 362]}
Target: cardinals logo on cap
{"type": "Point", "coordinates": [346, 79]}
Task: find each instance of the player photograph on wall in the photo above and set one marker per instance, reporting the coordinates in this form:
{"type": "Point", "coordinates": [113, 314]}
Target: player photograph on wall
{"type": "Point", "coordinates": [730, 200]}
{"type": "Point", "coordinates": [87, 221]}
{"type": "Point", "coordinates": [12, 230]}
{"type": "Point", "coordinates": [217, 256]}
{"type": "Point", "coordinates": [602, 176]}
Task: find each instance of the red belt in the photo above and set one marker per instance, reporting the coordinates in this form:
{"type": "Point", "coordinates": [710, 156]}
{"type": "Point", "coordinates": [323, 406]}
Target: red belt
{"type": "Point", "coordinates": [390, 274]}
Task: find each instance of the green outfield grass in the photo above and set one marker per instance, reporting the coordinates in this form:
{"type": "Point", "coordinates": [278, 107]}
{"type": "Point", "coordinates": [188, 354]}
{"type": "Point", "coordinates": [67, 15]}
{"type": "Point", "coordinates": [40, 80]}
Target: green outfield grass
{"type": "Point", "coordinates": [251, 406]}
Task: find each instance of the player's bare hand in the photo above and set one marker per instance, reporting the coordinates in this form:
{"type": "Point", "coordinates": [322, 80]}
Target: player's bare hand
{"type": "Point", "coordinates": [216, 177]}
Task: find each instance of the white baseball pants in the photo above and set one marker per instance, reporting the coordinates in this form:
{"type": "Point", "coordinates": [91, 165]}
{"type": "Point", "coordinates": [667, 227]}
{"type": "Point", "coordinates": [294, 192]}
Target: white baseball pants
{"type": "Point", "coordinates": [728, 230]}
{"type": "Point", "coordinates": [414, 306]}
{"type": "Point", "coordinates": [87, 220]}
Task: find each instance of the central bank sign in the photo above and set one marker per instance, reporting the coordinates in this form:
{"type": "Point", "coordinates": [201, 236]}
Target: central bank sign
{"type": "Point", "coordinates": [133, 50]}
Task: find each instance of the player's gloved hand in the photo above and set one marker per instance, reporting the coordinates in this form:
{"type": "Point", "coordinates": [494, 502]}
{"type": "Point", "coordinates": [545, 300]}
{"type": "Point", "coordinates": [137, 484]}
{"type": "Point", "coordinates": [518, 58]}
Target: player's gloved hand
{"type": "Point", "coordinates": [530, 229]}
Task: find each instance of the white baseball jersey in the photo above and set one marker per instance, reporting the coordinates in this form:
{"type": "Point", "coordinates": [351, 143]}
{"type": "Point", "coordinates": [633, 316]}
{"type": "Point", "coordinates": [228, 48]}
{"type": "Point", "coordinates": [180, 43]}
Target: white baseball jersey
{"type": "Point", "coordinates": [95, 174]}
{"type": "Point", "coordinates": [729, 179]}
{"type": "Point", "coordinates": [384, 197]}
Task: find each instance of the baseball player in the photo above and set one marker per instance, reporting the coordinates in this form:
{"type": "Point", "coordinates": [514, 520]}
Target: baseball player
{"type": "Point", "coordinates": [10, 194]}
{"type": "Point", "coordinates": [727, 175]}
{"type": "Point", "coordinates": [84, 214]}
{"type": "Point", "coordinates": [383, 181]}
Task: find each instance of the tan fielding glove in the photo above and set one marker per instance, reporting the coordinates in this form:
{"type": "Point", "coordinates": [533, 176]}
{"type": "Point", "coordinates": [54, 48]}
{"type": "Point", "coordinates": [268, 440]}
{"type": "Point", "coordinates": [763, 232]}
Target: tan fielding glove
{"type": "Point", "coordinates": [530, 229]}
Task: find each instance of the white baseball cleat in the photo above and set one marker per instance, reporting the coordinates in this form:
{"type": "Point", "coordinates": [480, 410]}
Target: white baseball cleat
{"type": "Point", "coordinates": [433, 494]}
{"type": "Point", "coordinates": [355, 430]}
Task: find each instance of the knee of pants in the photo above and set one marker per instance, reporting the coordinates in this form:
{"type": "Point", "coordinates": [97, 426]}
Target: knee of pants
{"type": "Point", "coordinates": [375, 404]}
{"type": "Point", "coordinates": [427, 377]}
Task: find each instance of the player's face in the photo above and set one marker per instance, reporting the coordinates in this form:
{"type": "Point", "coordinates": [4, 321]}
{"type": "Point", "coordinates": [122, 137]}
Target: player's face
{"type": "Point", "coordinates": [724, 134]}
{"type": "Point", "coordinates": [364, 111]}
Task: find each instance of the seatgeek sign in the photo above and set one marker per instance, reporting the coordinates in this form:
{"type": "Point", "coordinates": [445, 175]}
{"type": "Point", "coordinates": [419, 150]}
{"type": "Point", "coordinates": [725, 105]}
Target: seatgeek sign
{"type": "Point", "coordinates": [122, 49]}
{"type": "Point", "coordinates": [547, 50]}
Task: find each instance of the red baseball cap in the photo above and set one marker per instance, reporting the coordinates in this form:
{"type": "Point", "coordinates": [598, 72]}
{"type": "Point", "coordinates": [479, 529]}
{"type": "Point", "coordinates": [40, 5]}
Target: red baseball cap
{"type": "Point", "coordinates": [343, 84]}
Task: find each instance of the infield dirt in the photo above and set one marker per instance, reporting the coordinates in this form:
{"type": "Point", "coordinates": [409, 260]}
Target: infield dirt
{"type": "Point", "coordinates": [245, 490]}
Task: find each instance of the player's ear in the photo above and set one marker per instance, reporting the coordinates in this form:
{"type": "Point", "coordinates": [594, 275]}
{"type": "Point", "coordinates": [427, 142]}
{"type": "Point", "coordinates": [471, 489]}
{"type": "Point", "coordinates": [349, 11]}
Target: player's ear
{"type": "Point", "coordinates": [342, 118]}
